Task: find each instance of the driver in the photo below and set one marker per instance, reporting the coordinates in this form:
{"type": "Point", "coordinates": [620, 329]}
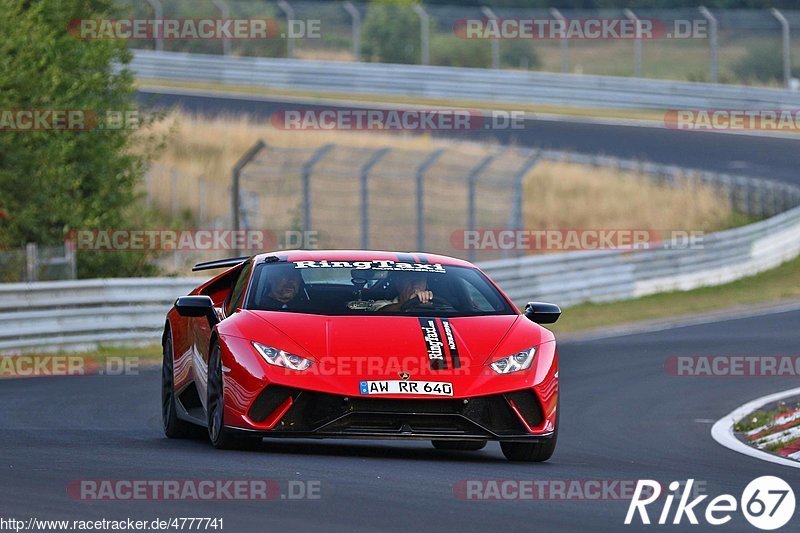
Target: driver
{"type": "Point", "coordinates": [284, 288]}
{"type": "Point", "coordinates": [409, 285]}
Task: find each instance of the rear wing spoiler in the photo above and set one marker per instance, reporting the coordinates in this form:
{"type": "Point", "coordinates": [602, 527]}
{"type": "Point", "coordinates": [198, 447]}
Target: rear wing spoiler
{"type": "Point", "coordinates": [220, 263]}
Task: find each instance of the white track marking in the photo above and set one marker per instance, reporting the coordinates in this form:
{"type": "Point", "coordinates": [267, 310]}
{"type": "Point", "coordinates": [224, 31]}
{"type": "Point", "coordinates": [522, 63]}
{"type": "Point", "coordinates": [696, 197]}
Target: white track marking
{"type": "Point", "coordinates": [722, 430]}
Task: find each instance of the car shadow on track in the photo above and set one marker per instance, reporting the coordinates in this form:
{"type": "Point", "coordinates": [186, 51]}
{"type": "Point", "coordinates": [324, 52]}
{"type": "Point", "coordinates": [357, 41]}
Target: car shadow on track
{"type": "Point", "coordinates": [421, 450]}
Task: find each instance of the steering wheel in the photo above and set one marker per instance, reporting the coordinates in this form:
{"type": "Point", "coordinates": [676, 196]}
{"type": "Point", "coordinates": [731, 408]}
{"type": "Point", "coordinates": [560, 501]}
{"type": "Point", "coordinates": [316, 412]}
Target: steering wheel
{"type": "Point", "coordinates": [437, 302]}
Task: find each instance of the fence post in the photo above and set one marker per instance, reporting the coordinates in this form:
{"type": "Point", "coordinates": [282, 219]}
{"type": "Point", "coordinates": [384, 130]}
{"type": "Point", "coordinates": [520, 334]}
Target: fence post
{"type": "Point", "coordinates": [235, 179]}
{"type": "Point", "coordinates": [516, 219]}
{"type": "Point", "coordinates": [472, 182]}
{"type": "Point", "coordinates": [225, 13]}
{"type": "Point", "coordinates": [202, 195]}
{"type": "Point", "coordinates": [637, 44]}
{"type": "Point", "coordinates": [158, 13]}
{"type": "Point", "coordinates": [787, 47]}
{"type": "Point", "coordinates": [365, 170]}
{"type": "Point", "coordinates": [712, 42]}
{"type": "Point", "coordinates": [563, 42]}
{"type": "Point", "coordinates": [173, 192]}
{"type": "Point", "coordinates": [424, 33]}
{"type": "Point", "coordinates": [489, 14]}
{"type": "Point", "coordinates": [421, 170]}
{"type": "Point", "coordinates": [356, 16]}
{"type": "Point", "coordinates": [31, 262]}
{"type": "Point", "coordinates": [288, 11]}
{"type": "Point", "coordinates": [308, 167]}
{"type": "Point", "coordinates": [70, 259]}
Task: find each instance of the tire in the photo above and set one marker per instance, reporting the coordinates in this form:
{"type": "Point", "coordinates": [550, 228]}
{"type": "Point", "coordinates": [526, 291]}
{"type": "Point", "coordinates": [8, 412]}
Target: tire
{"type": "Point", "coordinates": [221, 438]}
{"type": "Point", "coordinates": [534, 452]}
{"type": "Point", "coordinates": [174, 427]}
{"type": "Point", "coordinates": [460, 445]}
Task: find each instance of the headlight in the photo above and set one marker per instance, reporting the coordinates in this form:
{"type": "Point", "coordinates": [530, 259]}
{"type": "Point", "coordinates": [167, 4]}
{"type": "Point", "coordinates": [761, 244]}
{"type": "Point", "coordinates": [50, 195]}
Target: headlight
{"type": "Point", "coordinates": [514, 363]}
{"type": "Point", "coordinates": [277, 357]}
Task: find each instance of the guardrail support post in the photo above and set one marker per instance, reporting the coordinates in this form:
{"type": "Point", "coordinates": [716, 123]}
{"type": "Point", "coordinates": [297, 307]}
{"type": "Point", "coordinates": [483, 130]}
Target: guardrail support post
{"type": "Point", "coordinates": [158, 13]}
{"type": "Point", "coordinates": [472, 182]}
{"type": "Point", "coordinates": [308, 167]}
{"type": "Point", "coordinates": [489, 14]}
{"type": "Point", "coordinates": [421, 170]}
{"type": "Point", "coordinates": [712, 42]}
{"type": "Point", "coordinates": [787, 46]}
{"type": "Point", "coordinates": [563, 42]}
{"type": "Point", "coordinates": [356, 16]}
{"type": "Point", "coordinates": [235, 185]}
{"type": "Point", "coordinates": [365, 170]}
{"type": "Point", "coordinates": [424, 33]}
{"type": "Point", "coordinates": [288, 11]}
{"type": "Point", "coordinates": [637, 44]}
{"type": "Point", "coordinates": [225, 13]}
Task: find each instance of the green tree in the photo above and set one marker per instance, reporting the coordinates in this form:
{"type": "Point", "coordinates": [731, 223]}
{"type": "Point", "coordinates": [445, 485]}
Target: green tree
{"type": "Point", "coordinates": [391, 32]}
{"type": "Point", "coordinates": [53, 182]}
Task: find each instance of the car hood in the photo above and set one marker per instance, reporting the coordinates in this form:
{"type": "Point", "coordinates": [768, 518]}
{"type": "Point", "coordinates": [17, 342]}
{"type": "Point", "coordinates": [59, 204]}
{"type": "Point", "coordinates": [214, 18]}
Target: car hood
{"type": "Point", "coordinates": [462, 341]}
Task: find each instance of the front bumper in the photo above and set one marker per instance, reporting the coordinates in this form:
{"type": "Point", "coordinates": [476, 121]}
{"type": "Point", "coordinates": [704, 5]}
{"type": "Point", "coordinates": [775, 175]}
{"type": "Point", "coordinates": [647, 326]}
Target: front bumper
{"type": "Point", "coordinates": [287, 412]}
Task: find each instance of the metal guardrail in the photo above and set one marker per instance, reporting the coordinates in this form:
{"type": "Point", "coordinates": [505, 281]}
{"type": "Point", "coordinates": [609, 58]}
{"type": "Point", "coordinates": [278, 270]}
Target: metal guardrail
{"type": "Point", "coordinates": [76, 314]}
{"type": "Point", "coordinates": [70, 315]}
{"type": "Point", "coordinates": [454, 83]}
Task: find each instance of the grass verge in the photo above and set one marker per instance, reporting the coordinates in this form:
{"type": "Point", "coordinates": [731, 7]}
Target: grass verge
{"type": "Point", "coordinates": [777, 284]}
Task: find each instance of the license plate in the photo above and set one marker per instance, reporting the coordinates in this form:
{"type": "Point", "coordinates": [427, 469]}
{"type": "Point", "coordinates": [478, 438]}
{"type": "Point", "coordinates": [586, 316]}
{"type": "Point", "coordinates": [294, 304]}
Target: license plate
{"type": "Point", "coordinates": [428, 388]}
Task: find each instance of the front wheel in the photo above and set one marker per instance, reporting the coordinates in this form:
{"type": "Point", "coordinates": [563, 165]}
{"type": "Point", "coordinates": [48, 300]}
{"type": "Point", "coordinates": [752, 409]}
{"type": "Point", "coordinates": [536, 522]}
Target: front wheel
{"type": "Point", "coordinates": [535, 452]}
{"type": "Point", "coordinates": [221, 438]}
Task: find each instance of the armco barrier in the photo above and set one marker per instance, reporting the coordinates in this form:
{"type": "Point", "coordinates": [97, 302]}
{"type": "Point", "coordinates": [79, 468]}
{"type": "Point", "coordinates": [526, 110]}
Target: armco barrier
{"type": "Point", "coordinates": [64, 315]}
{"type": "Point", "coordinates": [455, 83]}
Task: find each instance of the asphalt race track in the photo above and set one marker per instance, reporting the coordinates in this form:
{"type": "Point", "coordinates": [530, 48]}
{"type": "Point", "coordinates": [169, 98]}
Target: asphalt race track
{"type": "Point", "coordinates": [755, 155]}
{"type": "Point", "coordinates": [624, 418]}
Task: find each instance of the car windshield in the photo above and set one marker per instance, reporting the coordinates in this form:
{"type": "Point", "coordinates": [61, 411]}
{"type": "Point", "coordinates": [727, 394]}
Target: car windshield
{"type": "Point", "coordinates": [379, 288]}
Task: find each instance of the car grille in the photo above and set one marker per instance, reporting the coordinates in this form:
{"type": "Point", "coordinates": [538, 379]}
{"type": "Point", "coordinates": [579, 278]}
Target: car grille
{"type": "Point", "coordinates": [314, 412]}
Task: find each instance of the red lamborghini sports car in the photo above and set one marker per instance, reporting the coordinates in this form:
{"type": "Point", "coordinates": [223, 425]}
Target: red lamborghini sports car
{"type": "Point", "coordinates": [360, 344]}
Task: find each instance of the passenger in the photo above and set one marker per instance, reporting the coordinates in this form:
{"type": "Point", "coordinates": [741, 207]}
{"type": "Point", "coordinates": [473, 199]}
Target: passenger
{"type": "Point", "coordinates": [409, 285]}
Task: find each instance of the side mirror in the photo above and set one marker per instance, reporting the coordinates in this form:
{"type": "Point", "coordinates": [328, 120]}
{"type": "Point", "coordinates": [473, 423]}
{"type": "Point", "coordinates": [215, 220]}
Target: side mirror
{"type": "Point", "coordinates": [542, 313]}
{"type": "Point", "coordinates": [197, 306]}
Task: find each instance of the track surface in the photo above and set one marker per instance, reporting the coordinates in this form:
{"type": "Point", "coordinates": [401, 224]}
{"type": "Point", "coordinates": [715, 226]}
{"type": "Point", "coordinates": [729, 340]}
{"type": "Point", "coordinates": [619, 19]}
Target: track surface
{"type": "Point", "coordinates": [624, 418]}
{"type": "Point", "coordinates": [759, 156]}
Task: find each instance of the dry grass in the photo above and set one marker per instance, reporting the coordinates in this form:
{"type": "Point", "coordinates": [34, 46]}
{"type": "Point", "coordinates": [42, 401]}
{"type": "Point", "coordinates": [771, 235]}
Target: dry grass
{"type": "Point", "coordinates": [557, 195]}
{"type": "Point", "coordinates": [564, 195]}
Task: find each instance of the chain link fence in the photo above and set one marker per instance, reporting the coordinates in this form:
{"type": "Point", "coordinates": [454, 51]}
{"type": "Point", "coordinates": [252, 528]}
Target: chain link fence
{"type": "Point", "coordinates": [382, 198]}
{"type": "Point", "coordinates": [729, 46]}
{"type": "Point", "coordinates": [38, 263]}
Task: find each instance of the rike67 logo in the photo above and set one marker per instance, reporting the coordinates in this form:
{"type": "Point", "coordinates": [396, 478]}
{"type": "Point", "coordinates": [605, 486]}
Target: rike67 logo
{"type": "Point", "coordinates": [767, 503]}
